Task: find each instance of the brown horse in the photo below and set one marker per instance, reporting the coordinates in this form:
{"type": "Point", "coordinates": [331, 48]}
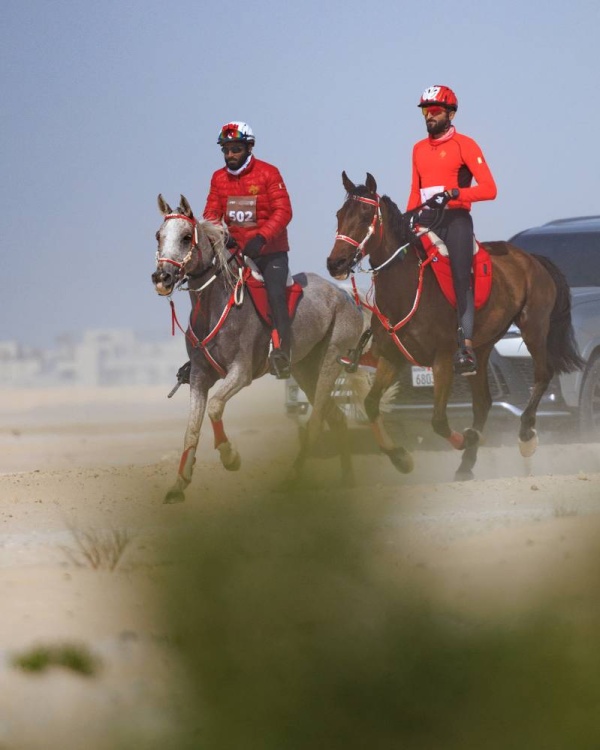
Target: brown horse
{"type": "Point", "coordinates": [413, 321]}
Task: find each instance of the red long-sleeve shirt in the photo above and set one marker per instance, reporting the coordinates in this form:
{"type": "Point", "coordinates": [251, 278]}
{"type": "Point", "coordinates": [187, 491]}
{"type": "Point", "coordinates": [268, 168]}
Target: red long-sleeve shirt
{"type": "Point", "coordinates": [452, 161]}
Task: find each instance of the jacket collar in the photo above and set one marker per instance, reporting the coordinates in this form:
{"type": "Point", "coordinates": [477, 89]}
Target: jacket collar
{"type": "Point", "coordinates": [245, 166]}
{"type": "Point", "coordinates": [442, 139]}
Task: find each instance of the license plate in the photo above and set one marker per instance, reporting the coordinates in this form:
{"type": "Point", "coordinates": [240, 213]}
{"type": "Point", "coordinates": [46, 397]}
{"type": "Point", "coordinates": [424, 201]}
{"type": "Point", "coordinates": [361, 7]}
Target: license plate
{"type": "Point", "coordinates": [422, 377]}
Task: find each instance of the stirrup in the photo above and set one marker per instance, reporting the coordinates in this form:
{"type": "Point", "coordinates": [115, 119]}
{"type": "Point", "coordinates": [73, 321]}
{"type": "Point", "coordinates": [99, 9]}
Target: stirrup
{"type": "Point", "coordinates": [465, 361]}
{"type": "Point", "coordinates": [351, 361]}
{"type": "Point", "coordinates": [279, 364]}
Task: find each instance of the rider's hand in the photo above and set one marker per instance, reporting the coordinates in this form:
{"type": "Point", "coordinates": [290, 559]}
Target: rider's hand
{"type": "Point", "coordinates": [440, 200]}
{"type": "Point", "coordinates": [254, 246]}
{"type": "Point", "coordinates": [230, 242]}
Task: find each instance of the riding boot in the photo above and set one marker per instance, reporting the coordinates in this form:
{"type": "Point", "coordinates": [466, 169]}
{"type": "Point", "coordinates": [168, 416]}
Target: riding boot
{"type": "Point", "coordinates": [465, 361]}
{"type": "Point", "coordinates": [279, 364]}
{"type": "Point", "coordinates": [280, 359]}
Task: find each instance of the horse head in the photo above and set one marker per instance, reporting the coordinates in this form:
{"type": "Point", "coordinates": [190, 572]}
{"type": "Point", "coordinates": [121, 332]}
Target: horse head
{"type": "Point", "coordinates": [187, 248]}
{"type": "Point", "coordinates": [357, 221]}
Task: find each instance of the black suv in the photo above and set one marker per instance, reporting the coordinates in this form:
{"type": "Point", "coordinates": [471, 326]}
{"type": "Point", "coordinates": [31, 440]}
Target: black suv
{"type": "Point", "coordinates": [574, 246]}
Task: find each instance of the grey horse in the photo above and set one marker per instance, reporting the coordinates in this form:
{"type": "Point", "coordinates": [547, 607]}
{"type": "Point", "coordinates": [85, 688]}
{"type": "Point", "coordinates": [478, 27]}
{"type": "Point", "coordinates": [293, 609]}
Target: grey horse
{"type": "Point", "coordinates": [228, 343]}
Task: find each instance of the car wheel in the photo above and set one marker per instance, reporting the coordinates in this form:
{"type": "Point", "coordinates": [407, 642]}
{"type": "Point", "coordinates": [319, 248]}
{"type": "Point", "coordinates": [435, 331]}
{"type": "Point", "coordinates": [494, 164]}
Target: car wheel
{"type": "Point", "coordinates": [589, 412]}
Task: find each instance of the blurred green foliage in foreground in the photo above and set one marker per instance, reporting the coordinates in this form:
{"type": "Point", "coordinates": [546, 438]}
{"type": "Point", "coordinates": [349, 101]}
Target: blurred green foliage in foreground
{"type": "Point", "coordinates": [297, 631]}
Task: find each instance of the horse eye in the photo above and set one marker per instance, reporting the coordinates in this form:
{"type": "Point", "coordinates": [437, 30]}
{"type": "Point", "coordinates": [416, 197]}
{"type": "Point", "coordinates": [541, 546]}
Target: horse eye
{"type": "Point", "coordinates": [187, 238]}
{"type": "Point", "coordinates": [158, 236]}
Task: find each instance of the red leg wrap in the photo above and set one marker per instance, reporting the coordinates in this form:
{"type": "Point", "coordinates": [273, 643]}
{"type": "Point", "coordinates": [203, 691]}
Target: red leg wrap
{"type": "Point", "coordinates": [457, 440]}
{"type": "Point", "coordinates": [186, 464]}
{"type": "Point", "coordinates": [219, 433]}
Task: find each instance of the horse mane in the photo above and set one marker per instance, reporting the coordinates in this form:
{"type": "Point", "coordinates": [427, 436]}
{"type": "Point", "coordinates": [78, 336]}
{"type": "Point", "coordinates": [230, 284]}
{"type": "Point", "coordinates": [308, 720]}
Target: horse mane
{"type": "Point", "coordinates": [212, 238]}
{"type": "Point", "coordinates": [396, 219]}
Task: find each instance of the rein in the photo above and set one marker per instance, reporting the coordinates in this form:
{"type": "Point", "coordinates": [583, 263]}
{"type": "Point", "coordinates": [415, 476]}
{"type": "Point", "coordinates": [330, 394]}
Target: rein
{"type": "Point", "coordinates": [236, 298]}
{"type": "Point", "coordinates": [391, 328]}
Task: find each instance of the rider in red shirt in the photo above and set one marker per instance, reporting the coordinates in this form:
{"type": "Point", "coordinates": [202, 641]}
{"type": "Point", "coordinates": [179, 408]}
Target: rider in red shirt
{"type": "Point", "coordinates": [250, 196]}
{"type": "Point", "coordinates": [443, 168]}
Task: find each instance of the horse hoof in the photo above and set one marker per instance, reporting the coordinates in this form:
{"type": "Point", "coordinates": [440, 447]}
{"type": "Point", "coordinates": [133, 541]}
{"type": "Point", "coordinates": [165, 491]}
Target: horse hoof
{"type": "Point", "coordinates": [464, 476]}
{"type": "Point", "coordinates": [529, 447]}
{"type": "Point", "coordinates": [230, 458]}
{"type": "Point", "coordinates": [235, 464]}
{"type": "Point", "coordinates": [174, 496]}
{"type": "Point", "coordinates": [401, 459]}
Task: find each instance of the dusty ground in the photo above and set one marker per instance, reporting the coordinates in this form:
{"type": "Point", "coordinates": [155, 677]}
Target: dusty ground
{"type": "Point", "coordinates": [99, 462]}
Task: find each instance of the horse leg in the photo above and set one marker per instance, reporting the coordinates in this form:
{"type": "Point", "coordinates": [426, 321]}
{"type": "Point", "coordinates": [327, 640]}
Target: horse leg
{"type": "Point", "coordinates": [528, 439]}
{"type": "Point", "coordinates": [318, 381]}
{"type": "Point", "coordinates": [398, 455]}
{"type": "Point", "coordinates": [234, 381]}
{"type": "Point", "coordinates": [534, 335]}
{"type": "Point", "coordinates": [198, 396]}
{"type": "Point", "coordinates": [442, 385]}
{"type": "Point", "coordinates": [482, 402]}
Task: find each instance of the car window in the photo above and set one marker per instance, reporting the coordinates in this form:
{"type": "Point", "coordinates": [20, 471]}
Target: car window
{"type": "Point", "coordinates": [576, 254]}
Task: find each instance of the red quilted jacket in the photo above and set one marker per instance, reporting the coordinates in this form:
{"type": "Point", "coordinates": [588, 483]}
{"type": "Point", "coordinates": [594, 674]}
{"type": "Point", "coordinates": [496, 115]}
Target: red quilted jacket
{"type": "Point", "coordinates": [254, 202]}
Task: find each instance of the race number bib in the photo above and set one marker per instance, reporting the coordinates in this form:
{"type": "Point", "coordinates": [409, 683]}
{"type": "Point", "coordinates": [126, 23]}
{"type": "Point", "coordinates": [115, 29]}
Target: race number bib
{"type": "Point", "coordinates": [241, 210]}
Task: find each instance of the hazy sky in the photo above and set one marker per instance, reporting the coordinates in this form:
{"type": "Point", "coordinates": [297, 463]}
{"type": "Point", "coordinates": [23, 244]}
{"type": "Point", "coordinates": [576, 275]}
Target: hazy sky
{"type": "Point", "coordinates": [105, 104]}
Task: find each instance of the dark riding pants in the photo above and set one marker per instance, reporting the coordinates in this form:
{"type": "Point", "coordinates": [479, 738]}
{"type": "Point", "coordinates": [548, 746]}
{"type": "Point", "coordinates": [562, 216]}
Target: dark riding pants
{"type": "Point", "coordinates": [456, 230]}
{"type": "Point", "coordinates": [274, 268]}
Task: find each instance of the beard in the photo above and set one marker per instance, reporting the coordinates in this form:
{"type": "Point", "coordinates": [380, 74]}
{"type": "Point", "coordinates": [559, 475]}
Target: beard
{"type": "Point", "coordinates": [437, 127]}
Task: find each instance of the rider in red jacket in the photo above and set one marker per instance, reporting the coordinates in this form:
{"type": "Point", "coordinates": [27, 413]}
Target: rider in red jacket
{"type": "Point", "coordinates": [443, 167]}
{"type": "Point", "coordinates": [250, 196]}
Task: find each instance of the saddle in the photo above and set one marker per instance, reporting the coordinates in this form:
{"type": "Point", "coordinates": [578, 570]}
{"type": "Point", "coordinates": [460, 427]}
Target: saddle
{"type": "Point", "coordinates": [481, 271]}
{"type": "Point", "coordinates": [258, 294]}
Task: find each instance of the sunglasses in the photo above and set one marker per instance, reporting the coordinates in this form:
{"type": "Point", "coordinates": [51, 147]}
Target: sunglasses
{"type": "Point", "coordinates": [232, 149]}
{"type": "Point", "coordinates": [435, 111]}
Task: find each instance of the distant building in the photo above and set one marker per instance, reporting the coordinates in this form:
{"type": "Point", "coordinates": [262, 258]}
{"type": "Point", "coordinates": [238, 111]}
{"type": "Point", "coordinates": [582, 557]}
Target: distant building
{"type": "Point", "coordinates": [99, 358]}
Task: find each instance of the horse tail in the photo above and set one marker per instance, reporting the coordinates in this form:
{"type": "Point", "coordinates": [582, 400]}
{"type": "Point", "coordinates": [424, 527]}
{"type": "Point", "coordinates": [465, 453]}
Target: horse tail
{"type": "Point", "coordinates": [561, 347]}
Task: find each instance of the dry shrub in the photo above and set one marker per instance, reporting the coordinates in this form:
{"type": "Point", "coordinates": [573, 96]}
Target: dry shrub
{"type": "Point", "coordinates": [97, 549]}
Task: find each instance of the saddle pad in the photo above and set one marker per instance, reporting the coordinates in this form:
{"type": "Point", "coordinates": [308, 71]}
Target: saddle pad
{"type": "Point", "coordinates": [258, 295]}
{"type": "Point", "coordinates": [481, 271]}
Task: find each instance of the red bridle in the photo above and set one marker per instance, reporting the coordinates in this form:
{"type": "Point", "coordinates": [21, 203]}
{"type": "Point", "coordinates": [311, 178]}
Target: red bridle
{"type": "Point", "coordinates": [360, 246]}
{"type": "Point", "coordinates": [194, 223]}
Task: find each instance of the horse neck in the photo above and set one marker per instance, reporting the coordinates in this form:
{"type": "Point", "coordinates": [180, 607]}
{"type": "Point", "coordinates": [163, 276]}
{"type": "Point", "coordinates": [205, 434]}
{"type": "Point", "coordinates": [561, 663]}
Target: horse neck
{"type": "Point", "coordinates": [209, 303]}
{"type": "Point", "coordinates": [395, 235]}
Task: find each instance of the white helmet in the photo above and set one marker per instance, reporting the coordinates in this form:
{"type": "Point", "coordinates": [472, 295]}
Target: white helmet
{"type": "Point", "coordinates": [236, 131]}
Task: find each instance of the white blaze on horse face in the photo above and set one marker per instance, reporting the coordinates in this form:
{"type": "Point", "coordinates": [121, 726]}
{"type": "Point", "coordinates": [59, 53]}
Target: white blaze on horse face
{"type": "Point", "coordinates": [171, 253]}
{"type": "Point", "coordinates": [171, 246]}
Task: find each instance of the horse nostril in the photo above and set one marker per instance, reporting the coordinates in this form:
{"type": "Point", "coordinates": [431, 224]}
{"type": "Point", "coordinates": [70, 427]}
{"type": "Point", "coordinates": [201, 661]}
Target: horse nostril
{"type": "Point", "coordinates": [161, 276]}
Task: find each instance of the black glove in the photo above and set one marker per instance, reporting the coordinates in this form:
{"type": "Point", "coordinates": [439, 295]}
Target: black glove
{"type": "Point", "coordinates": [254, 246]}
{"type": "Point", "coordinates": [230, 242]}
{"type": "Point", "coordinates": [440, 200]}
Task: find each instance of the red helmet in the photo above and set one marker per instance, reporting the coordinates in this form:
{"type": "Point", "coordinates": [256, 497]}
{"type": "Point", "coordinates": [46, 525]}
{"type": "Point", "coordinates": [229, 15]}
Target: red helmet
{"type": "Point", "coordinates": [441, 95]}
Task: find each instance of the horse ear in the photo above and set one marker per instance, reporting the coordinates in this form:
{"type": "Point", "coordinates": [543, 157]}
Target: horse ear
{"type": "Point", "coordinates": [163, 206]}
{"type": "Point", "coordinates": [371, 184]}
{"type": "Point", "coordinates": [187, 211]}
{"type": "Point", "coordinates": [347, 183]}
